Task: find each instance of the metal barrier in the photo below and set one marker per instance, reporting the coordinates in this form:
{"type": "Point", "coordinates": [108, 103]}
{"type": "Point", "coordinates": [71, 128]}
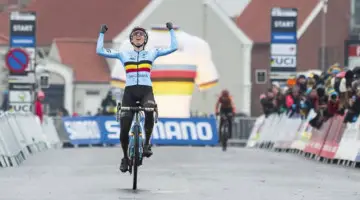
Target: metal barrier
{"type": "Point", "coordinates": [22, 134]}
{"type": "Point", "coordinates": [241, 130]}
{"type": "Point", "coordinates": [63, 136]}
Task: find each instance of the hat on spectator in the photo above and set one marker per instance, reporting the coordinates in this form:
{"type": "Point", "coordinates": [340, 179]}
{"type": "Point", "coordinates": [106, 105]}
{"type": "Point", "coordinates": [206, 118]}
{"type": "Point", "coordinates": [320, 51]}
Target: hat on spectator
{"type": "Point", "coordinates": [40, 94]}
{"type": "Point", "coordinates": [302, 76]}
{"type": "Point", "coordinates": [341, 74]}
{"type": "Point", "coordinates": [276, 84]}
{"type": "Point", "coordinates": [262, 96]}
{"type": "Point", "coordinates": [291, 81]}
{"type": "Point", "coordinates": [334, 69]}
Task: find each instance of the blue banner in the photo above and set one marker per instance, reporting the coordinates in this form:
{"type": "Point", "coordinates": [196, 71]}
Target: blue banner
{"type": "Point", "coordinates": [168, 131]}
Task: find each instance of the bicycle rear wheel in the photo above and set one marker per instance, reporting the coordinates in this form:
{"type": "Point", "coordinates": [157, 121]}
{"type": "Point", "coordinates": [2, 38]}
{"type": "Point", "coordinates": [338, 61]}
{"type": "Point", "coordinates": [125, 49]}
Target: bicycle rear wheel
{"type": "Point", "coordinates": [136, 156]}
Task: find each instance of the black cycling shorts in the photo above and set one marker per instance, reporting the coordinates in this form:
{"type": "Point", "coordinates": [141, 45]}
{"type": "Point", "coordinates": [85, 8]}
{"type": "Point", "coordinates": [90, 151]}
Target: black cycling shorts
{"type": "Point", "coordinates": [143, 94]}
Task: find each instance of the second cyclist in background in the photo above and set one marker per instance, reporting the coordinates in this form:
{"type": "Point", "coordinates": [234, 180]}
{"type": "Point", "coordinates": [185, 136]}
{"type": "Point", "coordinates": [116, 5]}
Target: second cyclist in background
{"type": "Point", "coordinates": [225, 106]}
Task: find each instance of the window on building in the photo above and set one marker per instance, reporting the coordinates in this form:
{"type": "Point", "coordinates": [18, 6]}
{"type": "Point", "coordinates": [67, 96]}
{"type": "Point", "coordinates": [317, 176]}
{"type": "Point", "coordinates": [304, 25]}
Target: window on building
{"type": "Point", "coordinates": [260, 76]}
{"type": "Point", "coordinates": [356, 10]}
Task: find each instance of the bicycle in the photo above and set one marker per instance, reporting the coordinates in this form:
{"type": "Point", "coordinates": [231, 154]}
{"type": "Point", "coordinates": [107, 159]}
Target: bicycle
{"type": "Point", "coordinates": [224, 131]}
{"type": "Point", "coordinates": [136, 143]}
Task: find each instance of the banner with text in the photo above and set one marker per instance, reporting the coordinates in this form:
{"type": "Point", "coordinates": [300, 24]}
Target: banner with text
{"type": "Point", "coordinates": [168, 131]}
{"type": "Point", "coordinates": [283, 48]}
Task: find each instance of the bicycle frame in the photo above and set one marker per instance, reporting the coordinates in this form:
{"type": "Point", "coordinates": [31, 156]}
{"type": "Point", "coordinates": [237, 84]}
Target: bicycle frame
{"type": "Point", "coordinates": [136, 129]}
{"type": "Point", "coordinates": [136, 139]}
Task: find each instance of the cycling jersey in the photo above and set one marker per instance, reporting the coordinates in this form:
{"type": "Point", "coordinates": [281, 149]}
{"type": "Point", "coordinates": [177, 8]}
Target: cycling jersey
{"type": "Point", "coordinates": [137, 64]}
{"type": "Point", "coordinates": [226, 104]}
{"type": "Point", "coordinates": [175, 77]}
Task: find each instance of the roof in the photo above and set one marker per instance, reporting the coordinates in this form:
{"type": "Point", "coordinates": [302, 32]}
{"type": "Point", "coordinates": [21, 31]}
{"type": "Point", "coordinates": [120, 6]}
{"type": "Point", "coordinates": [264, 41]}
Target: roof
{"type": "Point", "coordinates": [255, 19]}
{"type": "Point", "coordinates": [80, 18]}
{"type": "Point", "coordinates": [80, 55]}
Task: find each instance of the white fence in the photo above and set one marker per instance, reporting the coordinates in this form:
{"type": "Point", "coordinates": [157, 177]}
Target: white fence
{"type": "Point", "coordinates": [22, 135]}
{"type": "Point", "coordinates": [334, 142]}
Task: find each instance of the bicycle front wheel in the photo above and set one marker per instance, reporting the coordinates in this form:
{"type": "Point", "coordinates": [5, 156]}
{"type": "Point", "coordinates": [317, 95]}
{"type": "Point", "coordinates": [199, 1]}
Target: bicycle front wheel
{"type": "Point", "coordinates": [136, 157]}
{"type": "Point", "coordinates": [224, 136]}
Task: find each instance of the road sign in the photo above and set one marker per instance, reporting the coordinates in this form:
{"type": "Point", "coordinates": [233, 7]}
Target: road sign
{"type": "Point", "coordinates": [17, 60]}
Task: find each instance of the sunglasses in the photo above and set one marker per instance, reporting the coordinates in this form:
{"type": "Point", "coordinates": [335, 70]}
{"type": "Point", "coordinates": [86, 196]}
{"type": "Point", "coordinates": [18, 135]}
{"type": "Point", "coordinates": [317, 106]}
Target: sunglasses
{"type": "Point", "coordinates": [138, 33]}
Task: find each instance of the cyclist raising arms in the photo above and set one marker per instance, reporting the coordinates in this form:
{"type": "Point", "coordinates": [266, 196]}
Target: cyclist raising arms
{"type": "Point", "coordinates": [138, 86]}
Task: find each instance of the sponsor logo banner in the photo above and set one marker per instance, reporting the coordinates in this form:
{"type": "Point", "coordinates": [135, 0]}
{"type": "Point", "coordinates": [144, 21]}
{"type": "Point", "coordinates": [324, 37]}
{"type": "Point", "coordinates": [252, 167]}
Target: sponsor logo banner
{"type": "Point", "coordinates": [20, 96]}
{"type": "Point", "coordinates": [283, 49]}
{"type": "Point", "coordinates": [22, 107]}
{"type": "Point", "coordinates": [283, 38]}
{"type": "Point", "coordinates": [283, 61]}
{"type": "Point", "coordinates": [168, 131]}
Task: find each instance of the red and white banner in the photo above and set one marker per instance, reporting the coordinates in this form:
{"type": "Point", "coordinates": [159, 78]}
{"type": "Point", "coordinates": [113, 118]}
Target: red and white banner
{"type": "Point", "coordinates": [334, 140]}
{"type": "Point", "coordinates": [353, 55]}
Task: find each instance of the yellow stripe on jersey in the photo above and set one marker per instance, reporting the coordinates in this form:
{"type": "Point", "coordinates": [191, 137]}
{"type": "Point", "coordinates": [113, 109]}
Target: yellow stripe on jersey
{"type": "Point", "coordinates": [140, 66]}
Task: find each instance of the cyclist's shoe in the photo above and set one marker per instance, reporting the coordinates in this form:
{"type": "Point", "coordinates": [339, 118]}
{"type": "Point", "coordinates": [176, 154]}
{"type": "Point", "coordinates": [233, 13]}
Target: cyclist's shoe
{"type": "Point", "coordinates": [147, 151]}
{"type": "Point", "coordinates": [124, 166]}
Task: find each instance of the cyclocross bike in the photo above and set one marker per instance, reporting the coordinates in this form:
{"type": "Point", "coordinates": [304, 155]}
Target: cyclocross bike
{"type": "Point", "coordinates": [224, 131]}
{"type": "Point", "coordinates": [136, 143]}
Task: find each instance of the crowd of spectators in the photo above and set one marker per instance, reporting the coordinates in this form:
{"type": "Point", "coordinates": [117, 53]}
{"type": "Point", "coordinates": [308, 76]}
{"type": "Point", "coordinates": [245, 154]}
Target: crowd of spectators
{"type": "Point", "coordinates": [330, 93]}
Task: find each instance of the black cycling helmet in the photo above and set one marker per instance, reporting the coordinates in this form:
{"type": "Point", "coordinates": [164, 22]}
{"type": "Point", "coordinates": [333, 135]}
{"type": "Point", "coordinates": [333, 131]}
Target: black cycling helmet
{"type": "Point", "coordinates": [225, 92]}
{"type": "Point", "coordinates": [139, 29]}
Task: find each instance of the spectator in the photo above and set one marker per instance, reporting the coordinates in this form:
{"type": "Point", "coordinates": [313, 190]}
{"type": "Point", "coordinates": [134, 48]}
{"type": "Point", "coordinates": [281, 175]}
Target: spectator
{"type": "Point", "coordinates": [328, 111]}
{"type": "Point", "coordinates": [38, 105]}
{"type": "Point", "coordinates": [99, 112]}
{"type": "Point", "coordinates": [293, 101]}
{"type": "Point", "coordinates": [108, 105]}
{"type": "Point", "coordinates": [267, 102]}
{"type": "Point", "coordinates": [354, 109]}
{"type": "Point", "coordinates": [328, 94]}
{"type": "Point", "coordinates": [279, 100]}
{"type": "Point", "coordinates": [310, 101]}
{"type": "Point", "coordinates": [5, 106]}
{"type": "Point", "coordinates": [301, 83]}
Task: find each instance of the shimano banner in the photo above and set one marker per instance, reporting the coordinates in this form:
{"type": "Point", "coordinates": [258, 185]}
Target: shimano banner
{"type": "Point", "coordinates": [283, 41]}
{"type": "Point", "coordinates": [168, 131]}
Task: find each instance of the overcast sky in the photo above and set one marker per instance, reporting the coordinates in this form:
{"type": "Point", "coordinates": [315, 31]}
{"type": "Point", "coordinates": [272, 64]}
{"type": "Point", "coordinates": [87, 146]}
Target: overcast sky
{"type": "Point", "coordinates": [233, 7]}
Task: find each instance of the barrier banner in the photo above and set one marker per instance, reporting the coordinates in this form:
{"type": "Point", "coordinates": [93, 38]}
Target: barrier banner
{"type": "Point", "coordinates": [22, 135]}
{"type": "Point", "coordinates": [168, 131]}
{"type": "Point", "coordinates": [288, 131]}
{"type": "Point", "coordinates": [304, 133]}
{"type": "Point", "coordinates": [317, 138]}
{"type": "Point", "coordinates": [350, 142]}
{"type": "Point", "coordinates": [333, 138]}
{"type": "Point", "coordinates": [83, 130]}
{"type": "Point", "coordinates": [255, 132]}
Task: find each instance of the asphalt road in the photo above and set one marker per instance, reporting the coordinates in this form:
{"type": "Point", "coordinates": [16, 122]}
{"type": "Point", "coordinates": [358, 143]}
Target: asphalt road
{"type": "Point", "coordinates": [178, 173]}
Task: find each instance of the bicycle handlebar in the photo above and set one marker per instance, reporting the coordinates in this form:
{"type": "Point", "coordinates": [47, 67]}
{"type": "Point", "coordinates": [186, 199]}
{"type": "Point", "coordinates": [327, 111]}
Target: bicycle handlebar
{"type": "Point", "coordinates": [138, 109]}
